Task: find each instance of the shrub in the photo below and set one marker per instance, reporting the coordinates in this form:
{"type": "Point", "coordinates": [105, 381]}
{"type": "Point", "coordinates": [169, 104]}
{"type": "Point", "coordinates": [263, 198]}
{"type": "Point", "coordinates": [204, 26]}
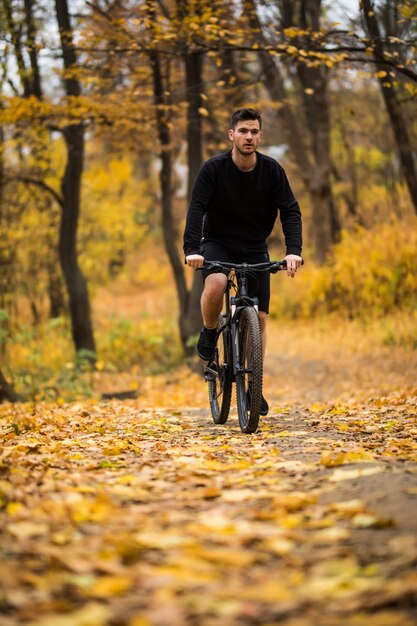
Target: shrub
{"type": "Point", "coordinates": [368, 274]}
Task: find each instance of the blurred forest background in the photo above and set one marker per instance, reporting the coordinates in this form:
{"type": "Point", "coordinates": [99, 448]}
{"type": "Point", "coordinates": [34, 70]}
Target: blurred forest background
{"type": "Point", "coordinates": [107, 110]}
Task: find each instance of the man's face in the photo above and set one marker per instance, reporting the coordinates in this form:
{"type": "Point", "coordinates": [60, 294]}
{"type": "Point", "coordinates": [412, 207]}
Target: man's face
{"type": "Point", "coordinates": [246, 136]}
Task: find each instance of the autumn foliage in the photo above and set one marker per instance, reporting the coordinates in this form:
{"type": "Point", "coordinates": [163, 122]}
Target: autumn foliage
{"type": "Point", "coordinates": [121, 503]}
{"type": "Point", "coordinates": [117, 514]}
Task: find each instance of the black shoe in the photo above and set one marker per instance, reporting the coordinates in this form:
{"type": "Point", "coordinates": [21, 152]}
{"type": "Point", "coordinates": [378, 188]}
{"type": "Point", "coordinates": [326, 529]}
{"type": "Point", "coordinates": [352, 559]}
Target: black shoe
{"type": "Point", "coordinates": [264, 404]}
{"type": "Point", "coordinates": [207, 343]}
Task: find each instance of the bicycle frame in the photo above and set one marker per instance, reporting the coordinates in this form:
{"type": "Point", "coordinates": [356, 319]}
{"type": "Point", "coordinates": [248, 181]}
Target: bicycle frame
{"type": "Point", "coordinates": [235, 304]}
{"type": "Point", "coordinates": [238, 353]}
{"type": "Point", "coordinates": [234, 307]}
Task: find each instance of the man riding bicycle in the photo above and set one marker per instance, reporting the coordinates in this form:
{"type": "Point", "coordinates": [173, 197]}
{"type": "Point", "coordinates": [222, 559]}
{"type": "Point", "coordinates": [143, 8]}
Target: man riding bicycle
{"type": "Point", "coordinates": [233, 209]}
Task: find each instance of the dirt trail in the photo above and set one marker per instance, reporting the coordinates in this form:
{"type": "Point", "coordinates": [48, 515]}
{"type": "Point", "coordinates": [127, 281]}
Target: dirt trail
{"type": "Point", "coordinates": [144, 513]}
{"type": "Point", "coordinates": [328, 362]}
{"type": "Point", "coordinates": [116, 515]}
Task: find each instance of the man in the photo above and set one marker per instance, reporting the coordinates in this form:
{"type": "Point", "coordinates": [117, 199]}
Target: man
{"type": "Point", "coordinates": [234, 205]}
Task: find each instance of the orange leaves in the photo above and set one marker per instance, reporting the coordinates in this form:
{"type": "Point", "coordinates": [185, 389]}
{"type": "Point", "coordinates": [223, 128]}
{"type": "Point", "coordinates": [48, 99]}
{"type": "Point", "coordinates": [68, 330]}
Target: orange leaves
{"type": "Point", "coordinates": [27, 530]}
{"type": "Point", "coordinates": [114, 513]}
{"type": "Point", "coordinates": [330, 458]}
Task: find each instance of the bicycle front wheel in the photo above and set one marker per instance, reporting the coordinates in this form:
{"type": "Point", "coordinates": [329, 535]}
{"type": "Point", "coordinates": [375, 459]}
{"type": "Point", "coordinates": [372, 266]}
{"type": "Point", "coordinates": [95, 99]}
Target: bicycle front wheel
{"type": "Point", "coordinates": [250, 371]}
{"type": "Point", "coordinates": [220, 380]}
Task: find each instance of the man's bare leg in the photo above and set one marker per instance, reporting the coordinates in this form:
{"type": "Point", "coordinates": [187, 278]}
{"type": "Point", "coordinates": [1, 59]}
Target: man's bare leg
{"type": "Point", "coordinates": [212, 299]}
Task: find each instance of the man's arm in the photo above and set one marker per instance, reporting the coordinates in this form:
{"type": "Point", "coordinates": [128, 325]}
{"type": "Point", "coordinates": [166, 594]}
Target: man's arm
{"type": "Point", "coordinates": [290, 216]}
{"type": "Point", "coordinates": [200, 198]}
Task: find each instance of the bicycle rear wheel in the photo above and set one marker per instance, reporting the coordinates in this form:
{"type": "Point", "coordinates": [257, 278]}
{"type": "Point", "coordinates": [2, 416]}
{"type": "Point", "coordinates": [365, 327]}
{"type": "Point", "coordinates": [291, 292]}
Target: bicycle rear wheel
{"type": "Point", "coordinates": [220, 379]}
{"type": "Point", "coordinates": [250, 372]}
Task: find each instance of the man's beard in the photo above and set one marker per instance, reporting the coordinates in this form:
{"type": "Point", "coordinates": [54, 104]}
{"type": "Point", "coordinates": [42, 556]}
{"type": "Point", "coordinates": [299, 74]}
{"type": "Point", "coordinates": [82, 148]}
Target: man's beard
{"type": "Point", "coordinates": [244, 153]}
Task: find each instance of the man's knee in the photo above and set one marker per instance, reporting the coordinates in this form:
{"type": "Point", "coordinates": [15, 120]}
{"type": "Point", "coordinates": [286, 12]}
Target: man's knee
{"type": "Point", "coordinates": [214, 286]}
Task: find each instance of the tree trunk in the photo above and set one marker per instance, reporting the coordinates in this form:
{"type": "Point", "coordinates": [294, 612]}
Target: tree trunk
{"type": "Point", "coordinates": [193, 71]}
{"type": "Point", "coordinates": [189, 300]}
{"type": "Point", "coordinates": [15, 33]}
{"type": "Point", "coordinates": [79, 304]}
{"type": "Point", "coordinates": [191, 318]}
{"type": "Point", "coordinates": [35, 78]}
{"type": "Point", "coordinates": [7, 392]}
{"type": "Point", "coordinates": [57, 306]}
{"type": "Point", "coordinates": [399, 126]}
{"type": "Point", "coordinates": [326, 226]}
{"type": "Point", "coordinates": [313, 161]}
{"type": "Point", "coordinates": [165, 177]}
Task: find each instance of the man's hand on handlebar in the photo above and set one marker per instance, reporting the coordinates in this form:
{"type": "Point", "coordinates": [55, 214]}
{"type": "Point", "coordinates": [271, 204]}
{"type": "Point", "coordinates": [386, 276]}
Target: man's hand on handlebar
{"type": "Point", "coordinates": [293, 263]}
{"type": "Point", "coordinates": [194, 260]}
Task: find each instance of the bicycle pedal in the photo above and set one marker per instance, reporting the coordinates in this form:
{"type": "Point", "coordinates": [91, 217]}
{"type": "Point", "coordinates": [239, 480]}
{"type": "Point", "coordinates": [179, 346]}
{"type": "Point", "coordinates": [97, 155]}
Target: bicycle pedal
{"type": "Point", "coordinates": [209, 373]}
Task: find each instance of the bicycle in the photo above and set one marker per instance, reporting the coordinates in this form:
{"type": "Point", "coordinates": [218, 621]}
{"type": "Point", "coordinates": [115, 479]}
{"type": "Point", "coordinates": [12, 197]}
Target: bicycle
{"type": "Point", "coordinates": [238, 353]}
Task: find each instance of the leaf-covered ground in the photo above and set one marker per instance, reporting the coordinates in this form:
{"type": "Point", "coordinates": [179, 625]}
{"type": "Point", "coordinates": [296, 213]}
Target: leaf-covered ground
{"type": "Point", "coordinates": [144, 513]}
{"type": "Point", "coordinates": [112, 514]}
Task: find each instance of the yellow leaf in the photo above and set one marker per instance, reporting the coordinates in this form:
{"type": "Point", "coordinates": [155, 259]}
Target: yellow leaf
{"type": "Point", "coordinates": [292, 50]}
{"type": "Point", "coordinates": [110, 586]}
{"type": "Point", "coordinates": [140, 620]}
{"type": "Point", "coordinates": [285, 433]}
{"type": "Point", "coordinates": [294, 501]}
{"type": "Point", "coordinates": [292, 521]}
{"type": "Point", "coordinates": [329, 458]}
{"type": "Point", "coordinates": [211, 492]}
{"type": "Point", "coordinates": [316, 407]}
{"type": "Point", "coordinates": [92, 614]}
{"type": "Point", "coordinates": [280, 545]}
{"type": "Point", "coordinates": [348, 507]}
{"type": "Point", "coordinates": [368, 520]}
{"type": "Point", "coordinates": [14, 509]}
{"type": "Point", "coordinates": [352, 474]}
{"type": "Point", "coordinates": [359, 455]}
{"type": "Point", "coordinates": [226, 556]}
{"type": "Point", "coordinates": [328, 535]}
{"type": "Point", "coordinates": [63, 537]}
{"type": "Point", "coordinates": [127, 479]}
{"type": "Point", "coordinates": [269, 591]}
{"type": "Point", "coordinates": [26, 530]}
{"type": "Point", "coordinates": [291, 32]}
{"type": "Point", "coordinates": [114, 451]}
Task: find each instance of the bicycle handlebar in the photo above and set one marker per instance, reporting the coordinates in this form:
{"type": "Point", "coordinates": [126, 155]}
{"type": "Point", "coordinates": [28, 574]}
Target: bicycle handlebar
{"type": "Point", "coordinates": [267, 266]}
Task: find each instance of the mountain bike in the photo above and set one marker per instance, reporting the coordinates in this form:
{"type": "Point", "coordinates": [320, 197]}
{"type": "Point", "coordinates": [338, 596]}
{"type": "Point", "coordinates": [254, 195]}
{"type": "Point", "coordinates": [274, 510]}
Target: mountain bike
{"type": "Point", "coordinates": [238, 353]}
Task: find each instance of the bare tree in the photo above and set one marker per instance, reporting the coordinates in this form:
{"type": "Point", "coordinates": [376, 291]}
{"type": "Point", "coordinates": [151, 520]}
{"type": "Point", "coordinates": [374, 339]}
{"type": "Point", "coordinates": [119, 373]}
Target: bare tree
{"type": "Point", "coordinates": [406, 151]}
{"type": "Point", "coordinates": [306, 121]}
{"type": "Point", "coordinates": [189, 314]}
{"type": "Point", "coordinates": [79, 304]}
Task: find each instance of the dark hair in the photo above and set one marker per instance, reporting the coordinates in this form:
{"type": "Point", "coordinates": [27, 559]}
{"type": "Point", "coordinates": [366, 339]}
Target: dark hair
{"type": "Point", "coordinates": [245, 114]}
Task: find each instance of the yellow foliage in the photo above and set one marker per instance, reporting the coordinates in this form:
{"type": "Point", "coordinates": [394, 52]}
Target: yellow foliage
{"type": "Point", "coordinates": [112, 221]}
{"type": "Point", "coordinates": [368, 274]}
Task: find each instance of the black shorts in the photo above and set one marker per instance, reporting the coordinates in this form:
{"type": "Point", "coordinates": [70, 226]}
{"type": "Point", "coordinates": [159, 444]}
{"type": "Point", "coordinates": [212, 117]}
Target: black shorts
{"type": "Point", "coordinates": [258, 285]}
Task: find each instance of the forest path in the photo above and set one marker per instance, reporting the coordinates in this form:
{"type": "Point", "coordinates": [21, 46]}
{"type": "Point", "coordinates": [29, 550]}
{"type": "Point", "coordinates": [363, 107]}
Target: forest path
{"type": "Point", "coordinates": [333, 361]}
{"type": "Point", "coordinates": [119, 515]}
{"type": "Point", "coordinates": [144, 513]}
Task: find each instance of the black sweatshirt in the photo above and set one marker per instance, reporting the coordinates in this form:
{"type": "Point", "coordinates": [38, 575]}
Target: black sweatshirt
{"type": "Point", "coordinates": [240, 208]}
